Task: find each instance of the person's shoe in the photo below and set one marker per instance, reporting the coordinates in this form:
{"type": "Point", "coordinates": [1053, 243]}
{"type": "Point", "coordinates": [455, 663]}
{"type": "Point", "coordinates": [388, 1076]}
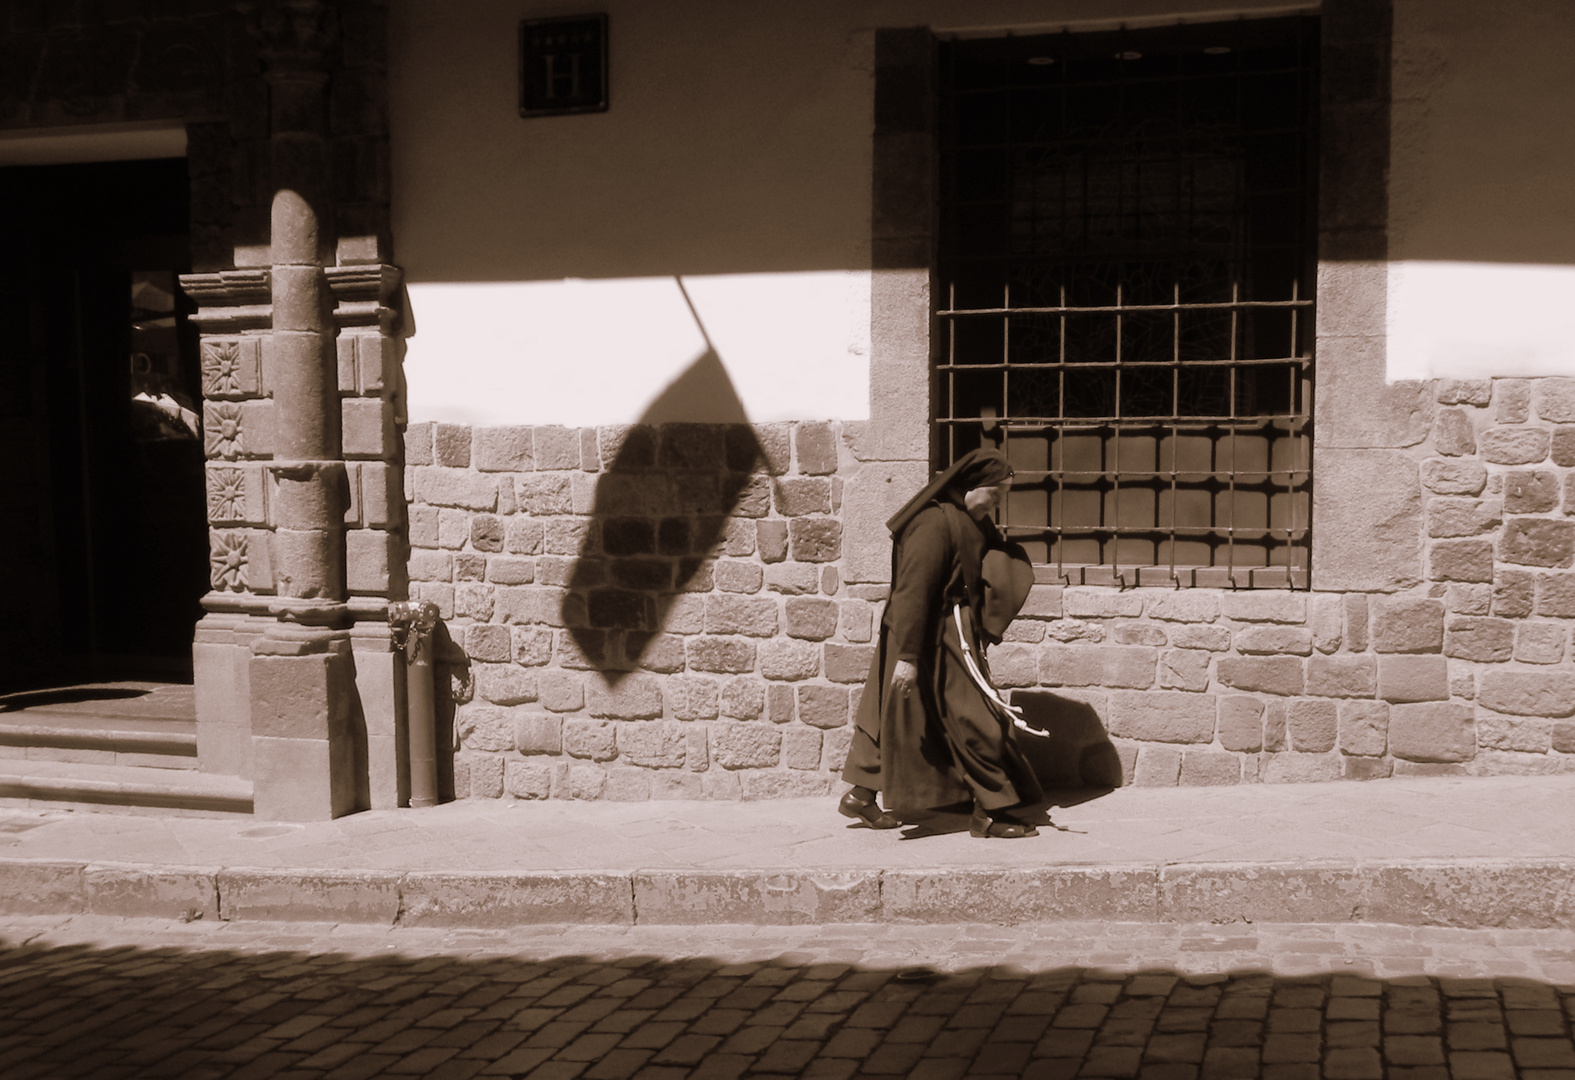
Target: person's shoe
{"type": "Point", "coordinates": [1001, 828]}
{"type": "Point", "coordinates": [867, 811]}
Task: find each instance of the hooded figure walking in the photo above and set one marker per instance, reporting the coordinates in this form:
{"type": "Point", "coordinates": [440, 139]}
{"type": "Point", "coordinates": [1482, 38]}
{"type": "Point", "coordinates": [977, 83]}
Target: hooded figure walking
{"type": "Point", "coordinates": [931, 733]}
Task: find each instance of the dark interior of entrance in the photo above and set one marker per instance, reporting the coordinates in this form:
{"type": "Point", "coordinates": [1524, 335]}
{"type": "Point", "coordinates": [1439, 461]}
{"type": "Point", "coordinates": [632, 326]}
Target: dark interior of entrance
{"type": "Point", "coordinates": [102, 522]}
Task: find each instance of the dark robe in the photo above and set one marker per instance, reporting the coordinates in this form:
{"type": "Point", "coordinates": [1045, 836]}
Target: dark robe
{"type": "Point", "coordinates": [941, 743]}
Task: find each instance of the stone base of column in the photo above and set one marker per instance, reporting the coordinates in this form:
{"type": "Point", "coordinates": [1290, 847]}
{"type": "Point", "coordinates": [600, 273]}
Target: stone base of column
{"type": "Point", "coordinates": [380, 681]}
{"type": "Point", "coordinates": [308, 733]}
{"type": "Point", "coordinates": [221, 656]}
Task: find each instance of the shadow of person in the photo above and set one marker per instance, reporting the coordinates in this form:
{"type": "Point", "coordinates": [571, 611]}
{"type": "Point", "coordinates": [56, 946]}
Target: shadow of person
{"type": "Point", "coordinates": [661, 505]}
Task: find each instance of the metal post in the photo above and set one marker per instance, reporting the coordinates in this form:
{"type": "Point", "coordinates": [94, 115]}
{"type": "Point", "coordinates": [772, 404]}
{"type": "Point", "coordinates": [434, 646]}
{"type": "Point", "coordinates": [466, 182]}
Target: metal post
{"type": "Point", "coordinates": [410, 626]}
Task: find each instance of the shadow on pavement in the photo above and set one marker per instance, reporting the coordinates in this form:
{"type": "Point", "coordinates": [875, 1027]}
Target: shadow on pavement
{"type": "Point", "coordinates": [206, 1013]}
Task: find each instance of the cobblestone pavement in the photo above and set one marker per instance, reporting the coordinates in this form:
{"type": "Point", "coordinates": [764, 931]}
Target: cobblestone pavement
{"type": "Point", "coordinates": [102, 998]}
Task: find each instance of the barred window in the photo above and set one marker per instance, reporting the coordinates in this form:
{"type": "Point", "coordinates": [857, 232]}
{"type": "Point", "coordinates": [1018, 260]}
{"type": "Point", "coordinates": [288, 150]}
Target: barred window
{"type": "Point", "coordinates": [1124, 294]}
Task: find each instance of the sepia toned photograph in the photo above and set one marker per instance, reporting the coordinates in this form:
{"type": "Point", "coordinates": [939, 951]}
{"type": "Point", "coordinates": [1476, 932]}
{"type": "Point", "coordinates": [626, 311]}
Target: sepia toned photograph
{"type": "Point", "coordinates": [831, 539]}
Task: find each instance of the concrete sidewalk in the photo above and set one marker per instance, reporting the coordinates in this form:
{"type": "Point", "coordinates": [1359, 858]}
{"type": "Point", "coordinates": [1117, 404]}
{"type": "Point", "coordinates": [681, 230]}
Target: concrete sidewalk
{"type": "Point", "coordinates": [1454, 851]}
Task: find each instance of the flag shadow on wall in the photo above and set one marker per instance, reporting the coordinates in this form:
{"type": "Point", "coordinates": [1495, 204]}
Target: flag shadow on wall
{"type": "Point", "coordinates": [662, 506]}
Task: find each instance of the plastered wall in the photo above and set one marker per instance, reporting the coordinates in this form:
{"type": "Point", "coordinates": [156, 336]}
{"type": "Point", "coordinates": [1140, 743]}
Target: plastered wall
{"type": "Point", "coordinates": [1482, 178]}
{"type": "Point", "coordinates": [547, 259]}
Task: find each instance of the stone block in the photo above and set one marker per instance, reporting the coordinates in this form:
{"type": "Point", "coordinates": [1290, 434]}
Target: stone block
{"type": "Point", "coordinates": [1209, 768]}
{"type": "Point", "coordinates": [745, 745]}
{"type": "Point", "coordinates": [1294, 768]}
{"type": "Point", "coordinates": [856, 620]}
{"type": "Point", "coordinates": [1137, 633]}
{"type": "Point", "coordinates": [1274, 725]}
{"type": "Point", "coordinates": [690, 698]}
{"type": "Point", "coordinates": [740, 615]}
{"type": "Point", "coordinates": [1464, 391]}
{"type": "Point", "coordinates": [1540, 642]}
{"type": "Point", "coordinates": [451, 445]}
{"type": "Point", "coordinates": [738, 538]}
{"type": "Point", "coordinates": [368, 428]}
{"type": "Point", "coordinates": [543, 494]}
{"type": "Point", "coordinates": [1241, 723]}
{"type": "Point", "coordinates": [1209, 638]}
{"type": "Point", "coordinates": [1081, 602]}
{"type": "Point", "coordinates": [424, 527]}
{"type": "Point", "coordinates": [593, 739]}
{"type": "Point", "coordinates": [1364, 728]}
{"type": "Point", "coordinates": [801, 748]}
{"type": "Point", "coordinates": [1453, 434]}
{"type": "Point", "coordinates": [1514, 734]}
{"type": "Point", "coordinates": [743, 699]}
{"type": "Point", "coordinates": [1184, 669]}
{"type": "Point", "coordinates": [473, 600]}
{"type": "Point", "coordinates": [1514, 593]}
{"type": "Point", "coordinates": [822, 706]}
{"type": "Point", "coordinates": [1403, 678]}
{"type": "Point", "coordinates": [1274, 640]}
{"type": "Point", "coordinates": [1181, 605]}
{"type": "Point", "coordinates": [723, 655]}
{"type": "Point", "coordinates": [1342, 676]}
{"type": "Point", "coordinates": [538, 733]}
{"type": "Point", "coordinates": [753, 499]}
{"type": "Point", "coordinates": [503, 449]}
{"type": "Point", "coordinates": [1010, 665]}
{"type": "Point", "coordinates": [1530, 491]}
{"type": "Point", "coordinates": [771, 539]}
{"type": "Point", "coordinates": [1281, 675]}
{"type": "Point", "coordinates": [1324, 618]}
{"type": "Point", "coordinates": [789, 660]}
{"type": "Point", "coordinates": [1157, 766]}
{"type": "Point", "coordinates": [1468, 599]}
{"type": "Point", "coordinates": [1440, 732]}
{"type": "Point", "coordinates": [1161, 716]}
{"type": "Point", "coordinates": [1511, 400]}
{"type": "Point", "coordinates": [459, 488]}
{"type": "Point", "coordinates": [1407, 624]}
{"type": "Point", "coordinates": [848, 663]}
{"type": "Point", "coordinates": [1563, 737]}
{"type": "Point", "coordinates": [634, 697]}
{"type": "Point", "coordinates": [1460, 560]}
{"type": "Point", "coordinates": [1044, 602]}
{"type": "Point", "coordinates": [522, 535]}
{"type": "Point", "coordinates": [1554, 399]}
{"type": "Point", "coordinates": [1537, 542]}
{"type": "Point", "coordinates": [556, 447]}
{"type": "Point", "coordinates": [504, 684]}
{"type": "Point", "coordinates": [871, 496]}
{"type": "Point", "coordinates": [1126, 666]}
{"type": "Point", "coordinates": [485, 727]}
{"type": "Point", "coordinates": [1555, 595]}
{"type": "Point", "coordinates": [738, 576]}
{"type": "Point", "coordinates": [527, 780]}
{"type": "Point", "coordinates": [1514, 445]}
{"type": "Point", "coordinates": [1265, 605]}
{"type": "Point", "coordinates": [1312, 725]}
{"type": "Point", "coordinates": [369, 555]}
{"type": "Point", "coordinates": [793, 579]}
{"type": "Point", "coordinates": [1449, 517]}
{"type": "Point", "coordinates": [815, 539]}
{"type": "Point", "coordinates": [486, 533]}
{"type": "Point", "coordinates": [657, 745]}
{"type": "Point", "coordinates": [509, 570]}
{"type": "Point", "coordinates": [796, 496]}
{"type": "Point", "coordinates": [816, 446]}
{"type": "Point", "coordinates": [1526, 692]}
{"type": "Point", "coordinates": [1367, 502]}
{"type": "Point", "coordinates": [1454, 477]}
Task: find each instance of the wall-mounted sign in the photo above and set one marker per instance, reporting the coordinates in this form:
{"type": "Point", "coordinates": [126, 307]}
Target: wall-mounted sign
{"type": "Point", "coordinates": [563, 65]}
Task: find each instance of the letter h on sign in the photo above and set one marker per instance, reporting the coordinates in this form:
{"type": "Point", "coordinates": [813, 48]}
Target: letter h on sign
{"type": "Point", "coordinates": [563, 65]}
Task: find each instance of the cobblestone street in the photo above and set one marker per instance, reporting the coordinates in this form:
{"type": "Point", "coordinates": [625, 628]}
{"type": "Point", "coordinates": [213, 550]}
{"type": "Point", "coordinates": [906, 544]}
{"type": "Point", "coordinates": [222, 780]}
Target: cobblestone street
{"type": "Point", "coordinates": [103, 998]}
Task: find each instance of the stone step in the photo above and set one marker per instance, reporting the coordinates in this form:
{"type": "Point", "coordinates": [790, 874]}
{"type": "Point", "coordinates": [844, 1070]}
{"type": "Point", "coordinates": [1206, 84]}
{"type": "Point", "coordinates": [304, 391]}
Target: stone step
{"type": "Point", "coordinates": [99, 740]}
{"type": "Point", "coordinates": [122, 789]}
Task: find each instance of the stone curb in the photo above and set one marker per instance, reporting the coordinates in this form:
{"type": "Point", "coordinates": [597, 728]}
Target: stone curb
{"type": "Point", "coordinates": [1466, 893]}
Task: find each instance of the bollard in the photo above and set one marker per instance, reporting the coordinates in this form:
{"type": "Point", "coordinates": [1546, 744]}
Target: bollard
{"type": "Point", "coordinates": [410, 625]}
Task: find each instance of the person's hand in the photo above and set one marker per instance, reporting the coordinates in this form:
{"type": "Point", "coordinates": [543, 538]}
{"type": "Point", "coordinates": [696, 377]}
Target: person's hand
{"type": "Point", "coordinates": [905, 676]}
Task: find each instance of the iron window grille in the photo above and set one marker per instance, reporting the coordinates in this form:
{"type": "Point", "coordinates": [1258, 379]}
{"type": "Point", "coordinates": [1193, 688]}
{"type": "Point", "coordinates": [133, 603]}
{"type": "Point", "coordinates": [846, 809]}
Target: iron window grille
{"type": "Point", "coordinates": [1126, 255]}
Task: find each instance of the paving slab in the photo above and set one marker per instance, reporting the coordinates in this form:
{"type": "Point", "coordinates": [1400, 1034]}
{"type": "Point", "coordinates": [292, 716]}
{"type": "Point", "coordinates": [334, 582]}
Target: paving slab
{"type": "Point", "coordinates": [1446, 851]}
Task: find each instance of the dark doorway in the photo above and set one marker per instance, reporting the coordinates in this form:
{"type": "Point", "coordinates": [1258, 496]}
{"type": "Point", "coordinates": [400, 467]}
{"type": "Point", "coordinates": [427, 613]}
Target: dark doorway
{"type": "Point", "coordinates": [102, 520]}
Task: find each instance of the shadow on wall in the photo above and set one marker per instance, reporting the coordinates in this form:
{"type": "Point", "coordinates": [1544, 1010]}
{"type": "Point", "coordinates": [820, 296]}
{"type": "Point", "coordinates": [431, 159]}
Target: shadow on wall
{"type": "Point", "coordinates": [1077, 752]}
{"type": "Point", "coordinates": [661, 506]}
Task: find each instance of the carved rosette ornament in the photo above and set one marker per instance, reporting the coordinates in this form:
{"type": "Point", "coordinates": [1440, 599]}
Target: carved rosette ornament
{"type": "Point", "coordinates": [227, 558]}
{"type": "Point", "coordinates": [221, 429]}
{"type": "Point", "coordinates": [226, 495]}
{"type": "Point", "coordinates": [221, 368]}
{"type": "Point", "coordinates": [291, 35]}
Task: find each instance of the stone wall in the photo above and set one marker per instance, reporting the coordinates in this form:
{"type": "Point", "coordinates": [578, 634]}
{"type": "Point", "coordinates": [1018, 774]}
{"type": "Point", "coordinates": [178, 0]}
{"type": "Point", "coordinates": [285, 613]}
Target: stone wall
{"type": "Point", "coordinates": [619, 636]}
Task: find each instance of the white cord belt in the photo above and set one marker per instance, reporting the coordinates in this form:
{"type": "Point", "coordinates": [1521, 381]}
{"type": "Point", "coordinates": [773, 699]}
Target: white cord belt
{"type": "Point", "coordinates": [991, 694]}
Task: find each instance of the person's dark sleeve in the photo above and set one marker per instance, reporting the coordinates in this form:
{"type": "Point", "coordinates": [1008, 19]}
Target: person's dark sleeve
{"type": "Point", "coordinates": [924, 559]}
